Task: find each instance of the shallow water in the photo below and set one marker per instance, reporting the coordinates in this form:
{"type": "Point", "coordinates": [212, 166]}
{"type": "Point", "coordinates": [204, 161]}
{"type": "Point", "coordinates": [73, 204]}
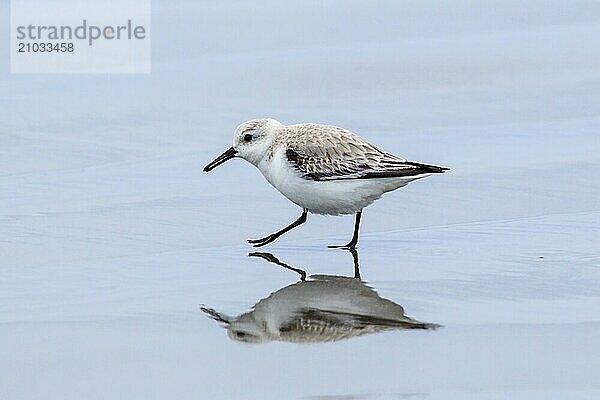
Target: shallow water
{"type": "Point", "coordinates": [114, 239]}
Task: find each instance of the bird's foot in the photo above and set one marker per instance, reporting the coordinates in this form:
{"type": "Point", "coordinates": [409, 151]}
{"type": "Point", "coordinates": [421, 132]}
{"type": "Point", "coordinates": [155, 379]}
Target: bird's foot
{"type": "Point", "coordinates": [349, 246]}
{"type": "Point", "coordinates": [266, 256]}
{"type": "Point", "coordinates": [262, 241]}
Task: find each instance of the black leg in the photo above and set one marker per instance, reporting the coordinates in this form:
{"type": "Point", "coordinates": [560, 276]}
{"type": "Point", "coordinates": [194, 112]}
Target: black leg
{"type": "Point", "coordinates": [354, 241]}
{"type": "Point", "coordinates": [272, 237]}
{"type": "Point", "coordinates": [271, 258]}
{"type": "Point", "coordinates": [356, 263]}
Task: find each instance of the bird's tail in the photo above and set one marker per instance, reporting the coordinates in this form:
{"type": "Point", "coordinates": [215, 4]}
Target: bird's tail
{"type": "Point", "coordinates": [428, 168]}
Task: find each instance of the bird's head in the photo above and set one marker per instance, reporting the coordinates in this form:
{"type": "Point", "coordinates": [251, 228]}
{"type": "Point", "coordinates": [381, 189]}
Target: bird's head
{"type": "Point", "coordinates": [243, 328]}
{"type": "Point", "coordinates": [246, 329]}
{"type": "Point", "coordinates": [251, 140]}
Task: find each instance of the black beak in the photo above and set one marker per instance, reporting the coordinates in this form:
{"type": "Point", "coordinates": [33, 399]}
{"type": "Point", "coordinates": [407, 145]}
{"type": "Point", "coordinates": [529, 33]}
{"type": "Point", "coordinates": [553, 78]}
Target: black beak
{"type": "Point", "coordinates": [228, 155]}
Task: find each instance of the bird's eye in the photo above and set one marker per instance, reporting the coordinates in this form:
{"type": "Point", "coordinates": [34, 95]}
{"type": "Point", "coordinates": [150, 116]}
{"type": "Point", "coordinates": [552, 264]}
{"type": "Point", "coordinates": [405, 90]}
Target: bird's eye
{"type": "Point", "coordinates": [247, 137]}
{"type": "Point", "coordinates": [240, 334]}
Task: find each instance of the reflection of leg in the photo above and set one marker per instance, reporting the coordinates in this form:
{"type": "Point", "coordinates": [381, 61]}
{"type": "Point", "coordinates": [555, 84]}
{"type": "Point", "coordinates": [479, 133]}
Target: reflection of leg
{"type": "Point", "coordinates": [272, 259]}
{"type": "Point", "coordinates": [354, 241]}
{"type": "Point", "coordinates": [356, 264]}
{"type": "Point", "coordinates": [272, 237]}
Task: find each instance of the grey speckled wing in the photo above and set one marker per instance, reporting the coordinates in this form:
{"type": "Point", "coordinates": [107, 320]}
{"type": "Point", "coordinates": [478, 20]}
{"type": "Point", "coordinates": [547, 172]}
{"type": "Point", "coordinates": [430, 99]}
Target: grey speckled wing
{"type": "Point", "coordinates": [314, 326]}
{"type": "Point", "coordinates": [325, 152]}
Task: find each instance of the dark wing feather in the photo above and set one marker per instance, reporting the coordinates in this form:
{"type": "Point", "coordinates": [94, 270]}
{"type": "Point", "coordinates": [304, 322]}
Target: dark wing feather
{"type": "Point", "coordinates": [313, 325]}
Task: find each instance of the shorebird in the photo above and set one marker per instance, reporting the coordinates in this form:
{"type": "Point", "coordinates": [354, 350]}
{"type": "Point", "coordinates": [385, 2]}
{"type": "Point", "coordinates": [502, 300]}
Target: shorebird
{"type": "Point", "coordinates": [320, 308]}
{"type": "Point", "coordinates": [323, 169]}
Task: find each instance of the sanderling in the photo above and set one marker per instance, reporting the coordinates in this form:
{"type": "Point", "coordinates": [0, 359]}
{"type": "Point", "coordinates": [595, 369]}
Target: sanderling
{"type": "Point", "coordinates": [322, 168]}
{"type": "Point", "coordinates": [321, 308]}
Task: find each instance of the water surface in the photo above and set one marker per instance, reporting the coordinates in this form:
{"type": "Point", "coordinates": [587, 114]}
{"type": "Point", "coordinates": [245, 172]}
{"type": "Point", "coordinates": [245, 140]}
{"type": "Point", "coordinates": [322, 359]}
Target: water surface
{"type": "Point", "coordinates": [113, 239]}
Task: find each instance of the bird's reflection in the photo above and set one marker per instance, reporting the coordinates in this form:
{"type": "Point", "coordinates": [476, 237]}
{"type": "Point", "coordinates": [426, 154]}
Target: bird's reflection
{"type": "Point", "coordinates": [319, 308]}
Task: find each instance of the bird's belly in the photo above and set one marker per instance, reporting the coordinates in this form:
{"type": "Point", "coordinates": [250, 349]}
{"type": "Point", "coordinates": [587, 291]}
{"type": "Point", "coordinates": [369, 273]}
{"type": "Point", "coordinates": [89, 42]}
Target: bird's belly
{"type": "Point", "coordinates": [334, 197]}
